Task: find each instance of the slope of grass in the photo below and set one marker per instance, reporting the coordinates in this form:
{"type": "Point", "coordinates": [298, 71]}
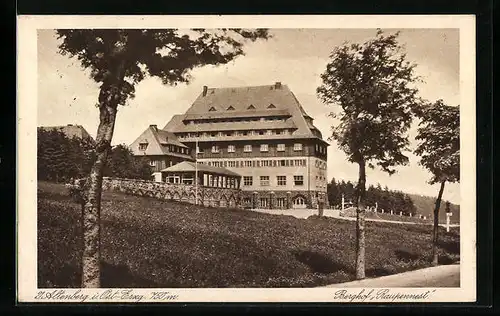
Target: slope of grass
{"type": "Point", "coordinates": [425, 206]}
{"type": "Point", "coordinates": [151, 243]}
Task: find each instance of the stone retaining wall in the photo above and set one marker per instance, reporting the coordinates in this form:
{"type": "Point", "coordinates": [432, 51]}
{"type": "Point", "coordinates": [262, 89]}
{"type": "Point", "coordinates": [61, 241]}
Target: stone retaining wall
{"type": "Point", "coordinates": [215, 197]}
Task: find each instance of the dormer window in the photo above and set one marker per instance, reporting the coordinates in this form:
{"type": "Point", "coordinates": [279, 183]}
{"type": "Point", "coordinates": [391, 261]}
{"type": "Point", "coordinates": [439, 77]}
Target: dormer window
{"type": "Point", "coordinates": [230, 108]}
{"type": "Point", "coordinates": [212, 109]}
{"type": "Point", "coordinates": [271, 106]}
{"type": "Point", "coordinates": [143, 146]}
{"type": "Point", "coordinates": [251, 107]}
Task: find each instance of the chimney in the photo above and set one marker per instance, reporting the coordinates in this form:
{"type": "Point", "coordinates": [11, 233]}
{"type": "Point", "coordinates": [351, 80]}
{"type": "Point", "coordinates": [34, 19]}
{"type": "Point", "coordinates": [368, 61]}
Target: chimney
{"type": "Point", "coordinates": [205, 89]}
{"type": "Point", "coordinates": [277, 85]}
{"type": "Point", "coordinates": [154, 127]}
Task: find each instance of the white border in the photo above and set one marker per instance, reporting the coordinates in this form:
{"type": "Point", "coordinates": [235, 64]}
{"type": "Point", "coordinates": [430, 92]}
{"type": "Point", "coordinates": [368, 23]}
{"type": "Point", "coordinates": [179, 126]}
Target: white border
{"type": "Point", "coordinates": [27, 122]}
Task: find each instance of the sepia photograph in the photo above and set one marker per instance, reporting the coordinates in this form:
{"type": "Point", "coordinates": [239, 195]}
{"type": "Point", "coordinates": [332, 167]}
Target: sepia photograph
{"type": "Point", "coordinates": [287, 160]}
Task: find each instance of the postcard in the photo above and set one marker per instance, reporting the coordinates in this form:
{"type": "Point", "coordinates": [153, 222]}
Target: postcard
{"type": "Point", "coordinates": [252, 158]}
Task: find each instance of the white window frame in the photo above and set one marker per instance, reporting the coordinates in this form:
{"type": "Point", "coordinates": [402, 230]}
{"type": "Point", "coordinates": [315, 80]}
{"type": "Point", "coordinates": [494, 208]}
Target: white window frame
{"type": "Point", "coordinates": [264, 147]}
{"type": "Point", "coordinates": [247, 148]}
{"type": "Point", "coordinates": [296, 178]}
{"type": "Point", "coordinates": [245, 181]}
{"type": "Point", "coordinates": [281, 147]}
{"type": "Point", "coordinates": [265, 182]}
{"type": "Point", "coordinates": [215, 149]}
{"type": "Point", "coordinates": [297, 146]}
{"type": "Point", "coordinates": [231, 148]}
{"type": "Point", "coordinates": [281, 180]}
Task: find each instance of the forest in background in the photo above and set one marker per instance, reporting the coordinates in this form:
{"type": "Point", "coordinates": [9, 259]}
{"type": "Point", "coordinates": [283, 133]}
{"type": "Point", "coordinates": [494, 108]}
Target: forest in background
{"type": "Point", "coordinates": [61, 159]}
{"type": "Point", "coordinates": [388, 200]}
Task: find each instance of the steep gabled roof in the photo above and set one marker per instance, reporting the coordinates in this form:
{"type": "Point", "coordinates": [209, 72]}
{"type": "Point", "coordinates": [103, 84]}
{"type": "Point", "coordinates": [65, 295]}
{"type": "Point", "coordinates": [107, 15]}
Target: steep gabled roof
{"type": "Point", "coordinates": [70, 131]}
{"type": "Point", "coordinates": [174, 122]}
{"type": "Point", "coordinates": [266, 100]}
{"type": "Point", "coordinates": [157, 141]}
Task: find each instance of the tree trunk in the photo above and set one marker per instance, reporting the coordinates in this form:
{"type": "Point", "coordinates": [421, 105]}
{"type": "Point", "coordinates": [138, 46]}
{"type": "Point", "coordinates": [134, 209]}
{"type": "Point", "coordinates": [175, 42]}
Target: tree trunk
{"type": "Point", "coordinates": [360, 223]}
{"type": "Point", "coordinates": [436, 226]}
{"type": "Point", "coordinates": [92, 208]}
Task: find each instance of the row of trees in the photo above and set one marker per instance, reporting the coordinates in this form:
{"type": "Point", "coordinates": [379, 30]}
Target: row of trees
{"type": "Point", "coordinates": [375, 197]}
{"type": "Point", "coordinates": [373, 90]}
{"type": "Point", "coordinates": [61, 159]}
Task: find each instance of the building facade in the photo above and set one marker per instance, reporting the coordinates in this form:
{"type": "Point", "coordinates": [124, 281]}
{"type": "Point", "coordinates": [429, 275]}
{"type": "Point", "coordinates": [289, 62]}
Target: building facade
{"type": "Point", "coordinates": [161, 148]}
{"type": "Point", "coordinates": [263, 134]}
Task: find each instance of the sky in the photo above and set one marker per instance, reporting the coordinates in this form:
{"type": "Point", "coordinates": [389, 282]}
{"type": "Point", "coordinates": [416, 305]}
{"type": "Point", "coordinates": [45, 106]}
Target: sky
{"type": "Point", "coordinates": [295, 57]}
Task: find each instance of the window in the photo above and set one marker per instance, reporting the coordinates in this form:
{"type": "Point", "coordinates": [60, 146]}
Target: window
{"type": "Point", "coordinates": [281, 147]}
{"type": "Point", "coordinates": [247, 180]}
{"type": "Point", "coordinates": [187, 180]}
{"type": "Point", "coordinates": [264, 181]}
{"type": "Point", "coordinates": [261, 132]}
{"type": "Point", "coordinates": [271, 106]}
{"type": "Point", "coordinates": [281, 202]}
{"type": "Point", "coordinates": [229, 133]}
{"type": "Point", "coordinates": [213, 134]}
{"type": "Point", "coordinates": [143, 146]}
{"type": "Point", "coordinates": [200, 150]}
{"type": "Point", "coordinates": [281, 180]}
{"type": "Point", "coordinates": [215, 149]}
{"type": "Point", "coordinates": [230, 108]}
{"type": "Point", "coordinates": [278, 132]}
{"type": "Point", "coordinates": [247, 148]}
{"type": "Point", "coordinates": [251, 107]}
{"type": "Point", "coordinates": [244, 133]}
{"type": "Point", "coordinates": [152, 163]}
{"type": "Point", "coordinates": [298, 180]}
{"type": "Point", "coordinates": [270, 132]}
{"type": "Point", "coordinates": [297, 146]}
{"type": "Point", "coordinates": [299, 202]}
{"type": "Point", "coordinates": [231, 149]}
{"type": "Point", "coordinates": [264, 202]}
{"type": "Point", "coordinates": [264, 147]}
{"type": "Point", "coordinates": [212, 109]}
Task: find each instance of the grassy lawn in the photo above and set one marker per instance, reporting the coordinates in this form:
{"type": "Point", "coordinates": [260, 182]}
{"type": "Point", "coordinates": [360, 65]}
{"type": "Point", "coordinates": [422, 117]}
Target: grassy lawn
{"type": "Point", "coordinates": [151, 243]}
{"type": "Point", "coordinates": [395, 217]}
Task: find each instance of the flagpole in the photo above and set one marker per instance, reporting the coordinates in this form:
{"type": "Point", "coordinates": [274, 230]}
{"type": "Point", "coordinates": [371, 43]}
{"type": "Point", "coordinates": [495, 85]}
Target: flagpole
{"type": "Point", "coordinates": [196, 173]}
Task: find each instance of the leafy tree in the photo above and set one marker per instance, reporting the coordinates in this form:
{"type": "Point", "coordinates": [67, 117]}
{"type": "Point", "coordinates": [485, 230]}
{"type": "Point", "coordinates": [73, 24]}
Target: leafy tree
{"type": "Point", "coordinates": [57, 157]}
{"type": "Point", "coordinates": [374, 86]}
{"type": "Point", "coordinates": [333, 192]}
{"type": "Point", "coordinates": [119, 59]}
{"type": "Point", "coordinates": [439, 151]}
{"type": "Point", "coordinates": [121, 163]}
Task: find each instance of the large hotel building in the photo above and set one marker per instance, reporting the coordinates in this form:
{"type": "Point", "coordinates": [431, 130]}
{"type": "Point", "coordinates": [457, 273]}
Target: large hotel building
{"type": "Point", "coordinates": [259, 132]}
